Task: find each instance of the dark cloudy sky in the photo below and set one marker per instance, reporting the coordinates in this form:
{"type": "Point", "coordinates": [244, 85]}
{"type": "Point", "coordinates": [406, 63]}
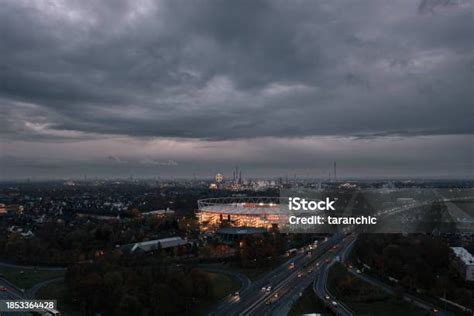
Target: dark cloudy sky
{"type": "Point", "coordinates": [172, 88]}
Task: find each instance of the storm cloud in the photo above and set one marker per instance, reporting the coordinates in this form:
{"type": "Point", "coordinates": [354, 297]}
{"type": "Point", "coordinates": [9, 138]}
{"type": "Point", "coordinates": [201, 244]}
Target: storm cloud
{"type": "Point", "coordinates": [214, 72]}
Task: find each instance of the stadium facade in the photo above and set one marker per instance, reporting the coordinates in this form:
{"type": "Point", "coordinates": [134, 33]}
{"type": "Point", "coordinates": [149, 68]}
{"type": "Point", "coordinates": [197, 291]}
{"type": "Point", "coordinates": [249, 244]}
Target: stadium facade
{"type": "Point", "coordinates": [261, 212]}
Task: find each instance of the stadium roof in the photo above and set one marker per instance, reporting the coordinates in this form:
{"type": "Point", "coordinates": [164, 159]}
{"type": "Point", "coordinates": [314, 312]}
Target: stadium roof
{"type": "Point", "coordinates": [241, 205]}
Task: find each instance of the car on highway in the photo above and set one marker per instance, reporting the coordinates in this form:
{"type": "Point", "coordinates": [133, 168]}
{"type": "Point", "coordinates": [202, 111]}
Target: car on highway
{"type": "Point", "coordinates": [236, 293]}
{"type": "Point", "coordinates": [272, 300]}
{"type": "Point", "coordinates": [434, 310]}
{"type": "Point", "coordinates": [291, 265]}
{"type": "Point", "coordinates": [300, 275]}
{"type": "Point", "coordinates": [334, 303]}
{"type": "Point", "coordinates": [269, 288]}
{"type": "Point", "coordinates": [292, 251]}
{"type": "Point", "coordinates": [327, 297]}
{"type": "Point", "coordinates": [3, 289]}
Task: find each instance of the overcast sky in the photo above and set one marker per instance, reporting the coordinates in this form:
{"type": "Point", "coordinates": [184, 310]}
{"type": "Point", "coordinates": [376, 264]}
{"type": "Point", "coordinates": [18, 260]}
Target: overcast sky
{"type": "Point", "coordinates": [173, 88]}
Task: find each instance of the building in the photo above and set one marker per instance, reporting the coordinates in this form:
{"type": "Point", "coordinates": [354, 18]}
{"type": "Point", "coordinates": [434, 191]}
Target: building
{"type": "Point", "coordinates": [21, 232]}
{"type": "Point", "coordinates": [147, 246]}
{"type": "Point", "coordinates": [219, 178]}
{"type": "Point", "coordinates": [159, 213]}
{"type": "Point", "coordinates": [10, 209]}
{"type": "Point", "coordinates": [465, 263]}
{"type": "Point", "coordinates": [257, 212]}
{"type": "Point", "coordinates": [101, 217]}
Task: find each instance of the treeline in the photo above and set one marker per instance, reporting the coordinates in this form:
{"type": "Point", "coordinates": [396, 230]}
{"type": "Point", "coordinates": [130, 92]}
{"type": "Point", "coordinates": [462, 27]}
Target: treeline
{"type": "Point", "coordinates": [138, 285]}
{"type": "Point", "coordinates": [418, 262]}
{"type": "Point", "coordinates": [56, 243]}
{"type": "Point", "coordinates": [260, 251]}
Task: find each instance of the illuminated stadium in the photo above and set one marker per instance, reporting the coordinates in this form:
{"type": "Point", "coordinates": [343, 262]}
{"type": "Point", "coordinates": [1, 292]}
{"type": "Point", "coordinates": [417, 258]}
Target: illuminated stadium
{"type": "Point", "coordinates": [240, 212]}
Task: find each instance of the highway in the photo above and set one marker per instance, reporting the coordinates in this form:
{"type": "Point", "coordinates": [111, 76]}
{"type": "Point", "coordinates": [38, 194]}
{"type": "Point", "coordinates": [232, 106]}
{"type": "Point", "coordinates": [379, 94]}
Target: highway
{"type": "Point", "coordinates": [320, 284]}
{"type": "Point", "coordinates": [10, 292]}
{"type": "Point", "coordinates": [317, 270]}
{"type": "Point", "coordinates": [274, 293]}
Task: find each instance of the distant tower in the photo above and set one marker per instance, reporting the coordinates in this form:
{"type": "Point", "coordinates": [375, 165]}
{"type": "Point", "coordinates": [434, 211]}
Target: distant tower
{"type": "Point", "coordinates": [237, 175]}
{"type": "Point", "coordinates": [335, 174]}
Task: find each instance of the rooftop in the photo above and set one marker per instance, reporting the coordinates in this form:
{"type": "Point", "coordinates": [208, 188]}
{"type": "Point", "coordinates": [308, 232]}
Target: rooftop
{"type": "Point", "coordinates": [463, 255]}
{"type": "Point", "coordinates": [155, 244]}
{"type": "Point", "coordinates": [159, 212]}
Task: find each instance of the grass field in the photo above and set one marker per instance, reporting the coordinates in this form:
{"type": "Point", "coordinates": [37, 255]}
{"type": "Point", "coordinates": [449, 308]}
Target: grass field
{"type": "Point", "coordinates": [364, 298]}
{"type": "Point", "coordinates": [221, 285]}
{"type": "Point", "coordinates": [58, 291]}
{"type": "Point", "coordinates": [254, 273]}
{"type": "Point", "coordinates": [25, 278]}
{"type": "Point", "coordinates": [308, 303]}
